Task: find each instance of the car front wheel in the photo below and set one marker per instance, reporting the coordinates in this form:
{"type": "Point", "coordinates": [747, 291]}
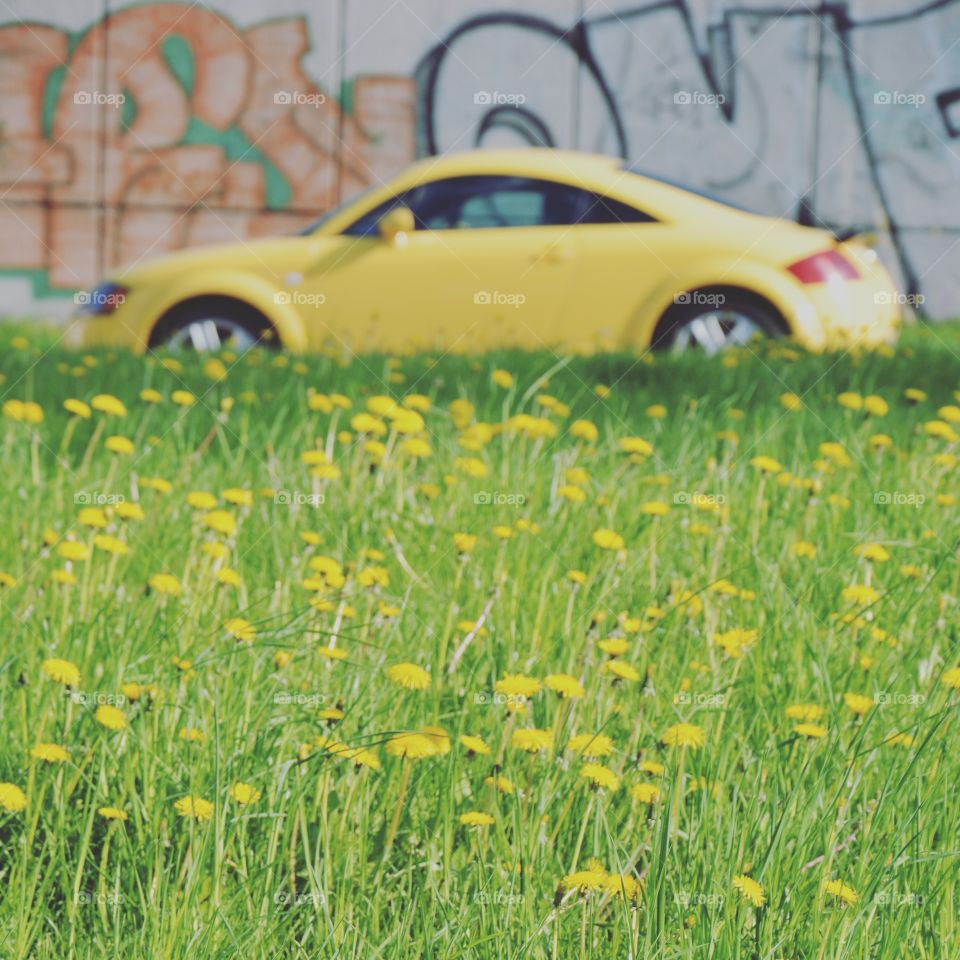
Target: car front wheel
{"type": "Point", "coordinates": [211, 324]}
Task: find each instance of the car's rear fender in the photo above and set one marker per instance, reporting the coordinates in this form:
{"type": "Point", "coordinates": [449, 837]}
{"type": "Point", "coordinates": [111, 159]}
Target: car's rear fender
{"type": "Point", "coordinates": [777, 288]}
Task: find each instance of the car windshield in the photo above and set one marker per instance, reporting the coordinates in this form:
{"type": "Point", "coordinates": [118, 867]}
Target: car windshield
{"type": "Point", "coordinates": [335, 211]}
{"type": "Point", "coordinates": [706, 194]}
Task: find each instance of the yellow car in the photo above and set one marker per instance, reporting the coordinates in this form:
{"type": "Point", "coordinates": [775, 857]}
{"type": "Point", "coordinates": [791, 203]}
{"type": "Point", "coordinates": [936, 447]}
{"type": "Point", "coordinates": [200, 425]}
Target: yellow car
{"type": "Point", "coordinates": [526, 248]}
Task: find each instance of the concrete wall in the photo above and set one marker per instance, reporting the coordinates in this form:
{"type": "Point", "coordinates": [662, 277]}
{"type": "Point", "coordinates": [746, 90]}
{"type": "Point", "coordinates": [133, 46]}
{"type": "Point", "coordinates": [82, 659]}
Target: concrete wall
{"type": "Point", "coordinates": [130, 130]}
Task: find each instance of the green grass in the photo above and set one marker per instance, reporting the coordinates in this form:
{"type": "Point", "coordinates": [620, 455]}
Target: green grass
{"type": "Point", "coordinates": [336, 860]}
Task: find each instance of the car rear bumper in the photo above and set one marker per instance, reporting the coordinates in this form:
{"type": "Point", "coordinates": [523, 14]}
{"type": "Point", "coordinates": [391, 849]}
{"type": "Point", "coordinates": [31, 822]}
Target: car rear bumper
{"type": "Point", "coordinates": [855, 314]}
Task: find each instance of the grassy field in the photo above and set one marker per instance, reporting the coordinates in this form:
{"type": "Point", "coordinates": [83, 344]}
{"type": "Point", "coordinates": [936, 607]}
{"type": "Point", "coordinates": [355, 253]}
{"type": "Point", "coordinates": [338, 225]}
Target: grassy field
{"type": "Point", "coordinates": [493, 657]}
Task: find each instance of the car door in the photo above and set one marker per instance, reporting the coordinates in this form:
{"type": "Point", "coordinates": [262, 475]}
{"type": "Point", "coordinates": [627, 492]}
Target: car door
{"type": "Point", "coordinates": [492, 262]}
{"type": "Point", "coordinates": [625, 255]}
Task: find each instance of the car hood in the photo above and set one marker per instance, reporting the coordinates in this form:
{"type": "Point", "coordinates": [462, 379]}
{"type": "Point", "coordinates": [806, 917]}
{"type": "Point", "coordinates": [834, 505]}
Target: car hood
{"type": "Point", "coordinates": [273, 257]}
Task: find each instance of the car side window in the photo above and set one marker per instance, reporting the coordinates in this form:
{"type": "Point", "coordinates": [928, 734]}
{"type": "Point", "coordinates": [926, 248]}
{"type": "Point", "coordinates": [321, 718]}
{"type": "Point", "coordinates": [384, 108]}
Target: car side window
{"type": "Point", "coordinates": [485, 202]}
{"type": "Point", "coordinates": [600, 209]}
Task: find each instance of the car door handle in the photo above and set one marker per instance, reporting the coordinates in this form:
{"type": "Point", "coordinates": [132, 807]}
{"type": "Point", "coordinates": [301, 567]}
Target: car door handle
{"type": "Point", "coordinates": [555, 253]}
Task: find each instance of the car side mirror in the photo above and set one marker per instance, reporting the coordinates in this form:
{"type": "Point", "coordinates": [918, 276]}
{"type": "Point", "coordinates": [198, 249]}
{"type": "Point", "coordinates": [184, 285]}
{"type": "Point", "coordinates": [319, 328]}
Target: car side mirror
{"type": "Point", "coordinates": [395, 224]}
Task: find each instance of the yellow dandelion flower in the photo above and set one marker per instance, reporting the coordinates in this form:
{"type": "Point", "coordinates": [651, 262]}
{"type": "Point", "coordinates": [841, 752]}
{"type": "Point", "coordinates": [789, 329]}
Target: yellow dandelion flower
{"type": "Point", "coordinates": [750, 890]}
{"type": "Point", "coordinates": [584, 880]}
{"type": "Point", "coordinates": [475, 745]}
{"type": "Point", "coordinates": [608, 539]}
{"type": "Point", "coordinates": [409, 676]}
{"type": "Point", "coordinates": [840, 890]}
{"type": "Point", "coordinates": [411, 746]}
{"type": "Point", "coordinates": [517, 685]}
{"type": "Point", "coordinates": [194, 807]}
{"type": "Point", "coordinates": [464, 542]}
{"type": "Point", "coordinates": [684, 735]}
{"type": "Point", "coordinates": [73, 550]}
{"type": "Point", "coordinates": [645, 792]}
{"type": "Point", "coordinates": [120, 445]}
{"type": "Point", "coordinates": [475, 818]}
{"type": "Point", "coordinates": [50, 752]}
{"type": "Point", "coordinates": [500, 783]}
{"type": "Point", "coordinates": [108, 404]}
{"type": "Point", "coordinates": [622, 670]}
{"type": "Point", "coordinates": [61, 671]}
{"type": "Point", "coordinates": [240, 629]}
{"type": "Point", "coordinates": [600, 777]}
{"type": "Point", "coordinates": [77, 407]}
{"type": "Point", "coordinates": [804, 711]}
{"type": "Point", "coordinates": [110, 717]}
{"type": "Point", "coordinates": [614, 646]}
{"type": "Point", "coordinates": [766, 464]}
{"type": "Point", "coordinates": [872, 551]}
{"type": "Point", "coordinates": [112, 813]}
{"type": "Point", "coordinates": [565, 686]}
{"type": "Point", "coordinates": [221, 521]}
{"type": "Point", "coordinates": [12, 798]}
{"type": "Point", "coordinates": [635, 445]}
{"type": "Point", "coordinates": [858, 703]}
{"type": "Point", "coordinates": [531, 740]}
{"type": "Point", "coordinates": [860, 595]}
{"type": "Point", "coordinates": [591, 745]}
{"type": "Point", "coordinates": [243, 793]}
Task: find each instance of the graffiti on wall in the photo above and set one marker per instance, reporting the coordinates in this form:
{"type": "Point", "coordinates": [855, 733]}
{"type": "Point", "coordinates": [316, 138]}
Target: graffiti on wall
{"type": "Point", "coordinates": [114, 146]}
{"type": "Point", "coordinates": [800, 111]}
{"type": "Point", "coordinates": [166, 125]}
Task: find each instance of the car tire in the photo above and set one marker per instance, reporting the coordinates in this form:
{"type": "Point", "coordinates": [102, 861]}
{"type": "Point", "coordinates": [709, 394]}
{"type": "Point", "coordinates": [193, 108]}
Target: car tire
{"type": "Point", "coordinates": [213, 323]}
{"type": "Point", "coordinates": [711, 321]}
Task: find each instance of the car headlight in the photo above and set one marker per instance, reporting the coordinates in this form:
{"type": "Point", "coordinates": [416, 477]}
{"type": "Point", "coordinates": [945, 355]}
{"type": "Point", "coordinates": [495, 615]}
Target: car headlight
{"type": "Point", "coordinates": [102, 300]}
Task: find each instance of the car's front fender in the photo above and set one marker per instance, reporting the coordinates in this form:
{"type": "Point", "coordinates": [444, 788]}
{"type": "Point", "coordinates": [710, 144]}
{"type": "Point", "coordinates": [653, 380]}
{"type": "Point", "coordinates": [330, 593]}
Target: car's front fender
{"type": "Point", "coordinates": [250, 289]}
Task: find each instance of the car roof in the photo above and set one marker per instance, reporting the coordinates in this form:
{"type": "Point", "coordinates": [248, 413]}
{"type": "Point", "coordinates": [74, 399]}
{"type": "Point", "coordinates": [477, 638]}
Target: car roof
{"type": "Point", "coordinates": [533, 161]}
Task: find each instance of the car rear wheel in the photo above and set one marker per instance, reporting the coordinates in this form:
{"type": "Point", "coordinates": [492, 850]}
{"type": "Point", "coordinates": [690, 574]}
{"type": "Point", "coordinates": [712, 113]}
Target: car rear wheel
{"type": "Point", "coordinates": [212, 324]}
{"type": "Point", "coordinates": [709, 323]}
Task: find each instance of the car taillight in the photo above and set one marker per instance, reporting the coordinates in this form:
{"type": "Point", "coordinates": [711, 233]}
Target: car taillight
{"type": "Point", "coordinates": [824, 266]}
